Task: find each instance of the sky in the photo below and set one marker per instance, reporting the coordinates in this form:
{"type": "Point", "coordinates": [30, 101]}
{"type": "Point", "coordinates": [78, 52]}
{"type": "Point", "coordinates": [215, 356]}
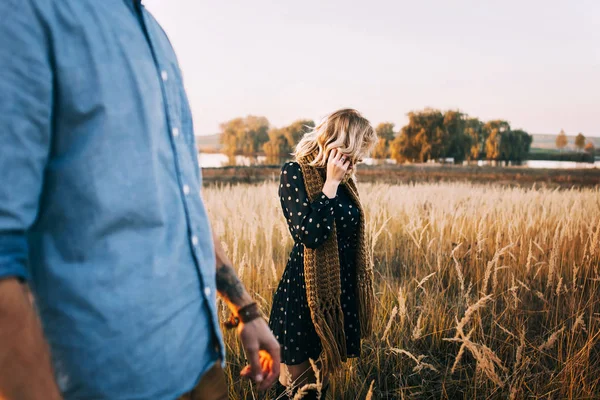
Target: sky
{"type": "Point", "coordinates": [534, 63]}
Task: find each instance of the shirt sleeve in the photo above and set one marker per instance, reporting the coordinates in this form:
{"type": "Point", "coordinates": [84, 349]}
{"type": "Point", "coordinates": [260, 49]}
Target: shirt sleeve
{"type": "Point", "coordinates": [310, 223]}
{"type": "Point", "coordinates": [25, 115]}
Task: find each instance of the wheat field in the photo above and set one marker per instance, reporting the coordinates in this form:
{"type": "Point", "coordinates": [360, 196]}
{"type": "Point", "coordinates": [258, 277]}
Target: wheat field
{"type": "Point", "coordinates": [483, 292]}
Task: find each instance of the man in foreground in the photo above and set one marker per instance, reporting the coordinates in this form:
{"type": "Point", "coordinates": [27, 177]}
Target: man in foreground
{"type": "Point", "coordinates": [101, 216]}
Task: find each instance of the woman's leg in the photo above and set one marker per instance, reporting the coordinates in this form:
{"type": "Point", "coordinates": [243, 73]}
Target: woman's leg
{"type": "Point", "coordinates": [298, 375]}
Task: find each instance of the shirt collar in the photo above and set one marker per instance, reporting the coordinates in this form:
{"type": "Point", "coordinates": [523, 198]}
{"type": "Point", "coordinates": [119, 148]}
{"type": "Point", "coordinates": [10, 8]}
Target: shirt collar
{"type": "Point", "coordinates": [133, 3]}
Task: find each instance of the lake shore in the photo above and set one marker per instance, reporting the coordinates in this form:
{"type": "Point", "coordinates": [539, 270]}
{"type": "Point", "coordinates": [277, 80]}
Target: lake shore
{"type": "Point", "coordinates": [396, 174]}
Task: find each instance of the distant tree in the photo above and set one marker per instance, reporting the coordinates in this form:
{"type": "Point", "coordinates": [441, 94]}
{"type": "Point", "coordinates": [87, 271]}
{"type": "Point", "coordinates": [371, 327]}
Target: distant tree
{"type": "Point", "coordinates": [402, 148]}
{"type": "Point", "coordinates": [493, 133]}
{"type": "Point", "coordinates": [520, 144]}
{"type": "Point", "coordinates": [580, 141]}
{"type": "Point", "coordinates": [460, 141]}
{"type": "Point", "coordinates": [561, 140]}
{"type": "Point", "coordinates": [492, 146]}
{"type": "Point", "coordinates": [589, 148]}
{"type": "Point", "coordinates": [505, 144]}
{"type": "Point", "coordinates": [385, 130]}
{"type": "Point", "coordinates": [277, 145]}
{"type": "Point", "coordinates": [296, 130]}
{"type": "Point", "coordinates": [244, 135]}
{"type": "Point", "coordinates": [229, 135]}
{"type": "Point", "coordinates": [478, 136]}
{"type": "Point", "coordinates": [256, 134]}
{"type": "Point", "coordinates": [283, 141]}
{"type": "Point", "coordinates": [424, 138]}
{"type": "Point", "coordinates": [385, 133]}
{"type": "Point", "coordinates": [382, 149]}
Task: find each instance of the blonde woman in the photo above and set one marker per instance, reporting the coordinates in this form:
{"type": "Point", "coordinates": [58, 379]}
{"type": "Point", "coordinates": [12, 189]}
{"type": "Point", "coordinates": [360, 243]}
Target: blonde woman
{"type": "Point", "coordinates": [324, 302]}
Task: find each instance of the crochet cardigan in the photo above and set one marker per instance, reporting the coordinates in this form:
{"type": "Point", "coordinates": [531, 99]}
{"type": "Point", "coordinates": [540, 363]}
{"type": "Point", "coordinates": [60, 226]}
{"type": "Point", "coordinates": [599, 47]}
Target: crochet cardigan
{"type": "Point", "coordinates": [322, 276]}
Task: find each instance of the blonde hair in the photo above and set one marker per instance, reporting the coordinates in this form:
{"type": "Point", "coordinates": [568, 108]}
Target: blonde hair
{"type": "Point", "coordinates": [345, 130]}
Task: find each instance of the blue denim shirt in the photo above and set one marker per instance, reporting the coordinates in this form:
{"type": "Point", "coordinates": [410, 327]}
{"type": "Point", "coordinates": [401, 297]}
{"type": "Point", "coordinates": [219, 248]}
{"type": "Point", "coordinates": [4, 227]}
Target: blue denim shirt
{"type": "Point", "coordinates": [100, 205]}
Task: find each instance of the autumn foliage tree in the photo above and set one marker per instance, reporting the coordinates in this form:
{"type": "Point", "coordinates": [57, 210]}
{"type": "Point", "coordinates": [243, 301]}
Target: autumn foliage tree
{"type": "Point", "coordinates": [244, 135]}
{"type": "Point", "coordinates": [282, 141]}
{"type": "Point", "coordinates": [434, 135]}
{"type": "Point", "coordinates": [423, 139]}
{"type": "Point", "coordinates": [460, 141]}
{"type": "Point", "coordinates": [385, 134]}
{"type": "Point", "coordinates": [478, 136]}
{"type": "Point", "coordinates": [580, 141]}
{"type": "Point", "coordinates": [589, 148]}
{"type": "Point", "coordinates": [494, 131]}
{"type": "Point", "coordinates": [561, 140]}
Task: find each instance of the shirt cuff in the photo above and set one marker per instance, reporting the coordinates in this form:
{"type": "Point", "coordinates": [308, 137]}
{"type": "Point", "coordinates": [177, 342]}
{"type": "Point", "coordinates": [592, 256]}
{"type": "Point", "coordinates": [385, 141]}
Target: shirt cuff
{"type": "Point", "coordinates": [13, 256]}
{"type": "Point", "coordinates": [13, 271]}
{"type": "Point", "coordinates": [323, 201]}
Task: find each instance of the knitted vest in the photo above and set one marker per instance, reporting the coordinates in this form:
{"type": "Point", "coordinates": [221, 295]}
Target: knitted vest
{"type": "Point", "coordinates": [322, 276]}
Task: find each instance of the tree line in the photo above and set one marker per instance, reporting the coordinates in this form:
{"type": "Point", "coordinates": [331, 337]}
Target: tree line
{"type": "Point", "coordinates": [430, 134]}
{"type": "Point", "coordinates": [579, 142]}
{"type": "Point", "coordinates": [436, 135]}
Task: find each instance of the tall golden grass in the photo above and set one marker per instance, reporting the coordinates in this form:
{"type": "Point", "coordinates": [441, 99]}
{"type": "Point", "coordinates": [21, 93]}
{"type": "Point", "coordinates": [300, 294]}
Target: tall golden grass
{"type": "Point", "coordinates": [483, 291]}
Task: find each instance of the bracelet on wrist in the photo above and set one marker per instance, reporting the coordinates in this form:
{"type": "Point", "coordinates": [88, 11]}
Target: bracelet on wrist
{"type": "Point", "coordinates": [245, 314]}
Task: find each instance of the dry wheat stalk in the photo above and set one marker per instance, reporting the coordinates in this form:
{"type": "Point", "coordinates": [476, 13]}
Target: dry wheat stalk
{"type": "Point", "coordinates": [422, 281]}
{"type": "Point", "coordinates": [418, 329]}
{"type": "Point", "coordinates": [418, 360]}
{"type": "Point", "coordinates": [575, 274]}
{"type": "Point", "coordinates": [471, 310]}
{"type": "Point", "coordinates": [460, 353]}
{"type": "Point", "coordinates": [579, 324]}
{"type": "Point", "coordinates": [520, 349]}
{"type": "Point", "coordinates": [559, 287]}
{"type": "Point", "coordinates": [402, 309]}
{"type": "Point", "coordinates": [491, 265]}
{"type": "Point", "coordinates": [595, 242]}
{"type": "Point", "coordinates": [514, 391]}
{"type": "Point", "coordinates": [458, 268]}
{"type": "Point", "coordinates": [554, 256]}
{"type": "Point", "coordinates": [370, 392]}
{"type": "Point", "coordinates": [485, 357]}
{"type": "Point", "coordinates": [303, 391]}
{"type": "Point", "coordinates": [529, 258]}
{"type": "Point", "coordinates": [390, 321]}
{"type": "Point", "coordinates": [549, 344]}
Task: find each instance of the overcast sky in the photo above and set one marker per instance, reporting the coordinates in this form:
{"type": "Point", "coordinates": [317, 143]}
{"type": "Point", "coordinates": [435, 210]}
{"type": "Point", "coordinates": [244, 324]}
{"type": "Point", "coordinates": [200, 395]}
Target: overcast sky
{"type": "Point", "coordinates": [534, 63]}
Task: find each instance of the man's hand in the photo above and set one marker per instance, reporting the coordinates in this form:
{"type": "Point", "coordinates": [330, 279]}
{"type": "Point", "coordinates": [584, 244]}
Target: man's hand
{"type": "Point", "coordinates": [25, 370]}
{"type": "Point", "coordinates": [262, 351]}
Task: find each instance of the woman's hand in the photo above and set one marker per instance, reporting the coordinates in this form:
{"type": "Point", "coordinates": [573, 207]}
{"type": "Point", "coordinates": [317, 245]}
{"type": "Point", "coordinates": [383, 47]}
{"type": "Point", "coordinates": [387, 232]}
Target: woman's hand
{"type": "Point", "coordinates": [337, 167]}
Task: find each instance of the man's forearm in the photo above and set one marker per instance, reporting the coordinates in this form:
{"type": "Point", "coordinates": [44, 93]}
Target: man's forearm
{"type": "Point", "coordinates": [25, 368]}
{"type": "Point", "coordinates": [230, 287]}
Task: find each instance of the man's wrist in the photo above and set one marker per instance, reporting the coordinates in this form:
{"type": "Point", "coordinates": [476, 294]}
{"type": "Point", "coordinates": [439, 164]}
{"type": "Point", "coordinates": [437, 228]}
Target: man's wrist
{"type": "Point", "coordinates": [244, 315]}
{"type": "Point", "coordinates": [245, 301]}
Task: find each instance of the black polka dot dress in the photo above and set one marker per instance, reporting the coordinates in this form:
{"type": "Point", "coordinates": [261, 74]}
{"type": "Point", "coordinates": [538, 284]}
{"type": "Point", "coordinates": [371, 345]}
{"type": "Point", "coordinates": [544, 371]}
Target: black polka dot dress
{"type": "Point", "coordinates": [310, 224]}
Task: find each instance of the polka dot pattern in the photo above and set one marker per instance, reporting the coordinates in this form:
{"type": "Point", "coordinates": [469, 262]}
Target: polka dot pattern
{"type": "Point", "coordinates": [310, 225]}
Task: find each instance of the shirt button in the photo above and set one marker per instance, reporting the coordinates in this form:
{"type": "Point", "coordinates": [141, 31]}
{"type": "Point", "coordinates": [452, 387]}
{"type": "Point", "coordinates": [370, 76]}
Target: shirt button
{"type": "Point", "coordinates": [186, 189]}
{"type": "Point", "coordinates": [164, 75]}
{"type": "Point", "coordinates": [195, 240]}
{"type": "Point", "coordinates": [207, 291]}
{"type": "Point", "coordinates": [175, 132]}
